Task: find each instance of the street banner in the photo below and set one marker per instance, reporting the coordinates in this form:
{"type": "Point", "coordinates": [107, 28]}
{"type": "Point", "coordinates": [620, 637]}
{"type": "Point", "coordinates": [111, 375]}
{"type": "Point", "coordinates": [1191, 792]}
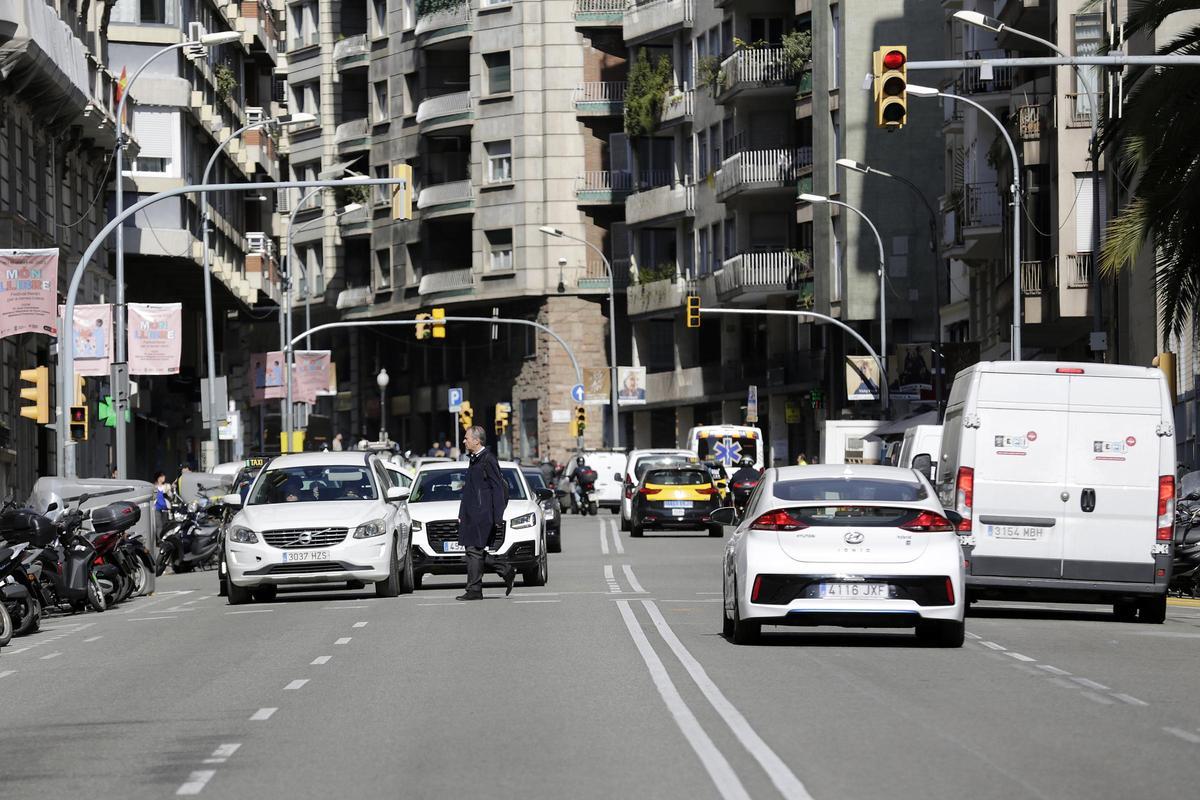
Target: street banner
{"type": "Point", "coordinates": [752, 404]}
{"type": "Point", "coordinates": [330, 389]}
{"type": "Point", "coordinates": [632, 386]}
{"type": "Point", "coordinates": [909, 373]}
{"type": "Point", "coordinates": [862, 378]}
{"type": "Point", "coordinates": [155, 338]}
{"type": "Point", "coordinates": [596, 386]}
{"type": "Point", "coordinates": [28, 291]}
{"type": "Point", "coordinates": [266, 377]}
{"type": "Point", "coordinates": [93, 339]}
{"type": "Point", "coordinates": [310, 374]}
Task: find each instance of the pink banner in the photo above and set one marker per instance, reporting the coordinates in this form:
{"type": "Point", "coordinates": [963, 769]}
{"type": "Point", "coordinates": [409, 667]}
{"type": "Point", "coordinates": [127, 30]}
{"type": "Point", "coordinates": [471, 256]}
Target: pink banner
{"type": "Point", "coordinates": [266, 376]}
{"type": "Point", "coordinates": [310, 375]}
{"type": "Point", "coordinates": [93, 339]}
{"type": "Point", "coordinates": [28, 291]}
{"type": "Point", "coordinates": [155, 332]}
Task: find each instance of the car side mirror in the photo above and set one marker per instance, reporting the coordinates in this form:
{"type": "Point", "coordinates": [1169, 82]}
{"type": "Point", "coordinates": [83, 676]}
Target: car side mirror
{"type": "Point", "coordinates": [923, 463]}
{"type": "Point", "coordinates": [231, 500]}
{"type": "Point", "coordinates": [543, 495]}
{"type": "Point", "coordinates": [954, 517]}
{"type": "Point", "coordinates": [395, 494]}
{"type": "Point", "coordinates": [725, 515]}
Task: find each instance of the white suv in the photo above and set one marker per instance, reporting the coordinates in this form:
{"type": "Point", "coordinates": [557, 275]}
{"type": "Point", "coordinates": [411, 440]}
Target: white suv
{"type": "Point", "coordinates": [319, 518]}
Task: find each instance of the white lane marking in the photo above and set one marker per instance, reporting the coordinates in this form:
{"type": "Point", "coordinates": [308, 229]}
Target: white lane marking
{"type": "Point", "coordinates": [1130, 699]}
{"type": "Point", "coordinates": [603, 538]}
{"type": "Point", "coordinates": [441, 604]}
{"type": "Point", "coordinates": [1168, 634]}
{"type": "Point", "coordinates": [146, 619]}
{"type": "Point", "coordinates": [1064, 683]}
{"type": "Point", "coordinates": [196, 782]}
{"type": "Point", "coordinates": [993, 646]}
{"type": "Point", "coordinates": [616, 534]}
{"type": "Point", "coordinates": [319, 660]}
{"type": "Point", "coordinates": [49, 656]}
{"type": "Point", "coordinates": [360, 625]}
{"type": "Point", "coordinates": [1100, 687]}
{"type": "Point", "coordinates": [252, 611]}
{"type": "Point", "coordinates": [262, 714]}
{"type": "Point", "coordinates": [1187, 736]}
{"type": "Point", "coordinates": [338, 608]}
{"type": "Point", "coordinates": [23, 649]}
{"type": "Point", "coordinates": [969, 634]}
{"type": "Point", "coordinates": [1104, 701]}
{"type": "Point", "coordinates": [783, 778]}
{"type": "Point", "coordinates": [613, 586]}
{"type": "Point", "coordinates": [633, 582]}
{"type": "Point", "coordinates": [92, 639]}
{"type": "Point", "coordinates": [702, 594]}
{"type": "Point", "coordinates": [343, 640]}
{"type": "Point", "coordinates": [1019, 657]}
{"type": "Point", "coordinates": [1053, 670]}
{"type": "Point", "coordinates": [222, 754]}
{"type": "Point", "coordinates": [537, 601]}
{"type": "Point", "coordinates": [7, 672]}
{"type": "Point", "coordinates": [713, 761]}
{"type": "Point", "coordinates": [296, 684]}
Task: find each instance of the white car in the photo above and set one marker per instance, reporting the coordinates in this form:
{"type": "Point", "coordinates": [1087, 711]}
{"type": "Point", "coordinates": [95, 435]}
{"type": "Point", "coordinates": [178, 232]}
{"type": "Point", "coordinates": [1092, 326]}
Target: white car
{"type": "Point", "coordinates": [845, 545]}
{"type": "Point", "coordinates": [636, 465]}
{"type": "Point", "coordinates": [319, 518]}
{"type": "Point", "coordinates": [610, 474]}
{"type": "Point", "coordinates": [433, 507]}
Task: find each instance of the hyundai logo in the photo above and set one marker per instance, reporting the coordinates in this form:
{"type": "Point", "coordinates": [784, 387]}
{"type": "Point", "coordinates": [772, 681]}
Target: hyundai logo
{"type": "Point", "coordinates": [854, 537]}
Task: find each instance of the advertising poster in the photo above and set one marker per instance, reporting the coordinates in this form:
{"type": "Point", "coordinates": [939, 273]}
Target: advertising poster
{"type": "Point", "coordinates": [92, 339]}
{"type": "Point", "coordinates": [910, 374]}
{"type": "Point", "coordinates": [631, 386]}
{"type": "Point", "coordinates": [28, 291]}
{"type": "Point", "coordinates": [310, 375]}
{"type": "Point", "coordinates": [155, 338]}
{"type": "Point", "coordinates": [266, 375]}
{"type": "Point", "coordinates": [862, 378]}
{"type": "Point", "coordinates": [596, 386]}
{"type": "Point", "coordinates": [331, 389]}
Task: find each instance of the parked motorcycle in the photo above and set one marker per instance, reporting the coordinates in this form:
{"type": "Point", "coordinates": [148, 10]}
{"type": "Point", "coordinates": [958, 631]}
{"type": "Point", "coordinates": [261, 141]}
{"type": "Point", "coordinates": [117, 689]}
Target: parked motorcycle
{"type": "Point", "coordinates": [24, 610]}
{"type": "Point", "coordinates": [1185, 567]}
{"type": "Point", "coordinates": [190, 540]}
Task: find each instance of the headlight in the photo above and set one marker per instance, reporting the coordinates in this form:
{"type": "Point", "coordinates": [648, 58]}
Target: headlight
{"type": "Point", "coordinates": [549, 513]}
{"type": "Point", "coordinates": [524, 521]}
{"type": "Point", "coordinates": [242, 535]}
{"type": "Point", "coordinates": [416, 525]}
{"type": "Point", "coordinates": [193, 507]}
{"type": "Point", "coordinates": [368, 529]}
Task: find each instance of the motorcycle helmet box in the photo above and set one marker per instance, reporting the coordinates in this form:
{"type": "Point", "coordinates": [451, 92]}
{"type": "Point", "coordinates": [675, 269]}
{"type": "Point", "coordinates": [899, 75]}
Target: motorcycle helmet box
{"type": "Point", "coordinates": [26, 525]}
{"type": "Point", "coordinates": [113, 517]}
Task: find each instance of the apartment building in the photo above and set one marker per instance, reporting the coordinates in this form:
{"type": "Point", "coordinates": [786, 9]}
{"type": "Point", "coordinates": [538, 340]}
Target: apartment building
{"type": "Point", "coordinates": [57, 135]}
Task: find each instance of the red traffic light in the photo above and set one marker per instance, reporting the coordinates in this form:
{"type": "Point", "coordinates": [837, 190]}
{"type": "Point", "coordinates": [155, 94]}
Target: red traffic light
{"type": "Point", "coordinates": [78, 414]}
{"type": "Point", "coordinates": [894, 59]}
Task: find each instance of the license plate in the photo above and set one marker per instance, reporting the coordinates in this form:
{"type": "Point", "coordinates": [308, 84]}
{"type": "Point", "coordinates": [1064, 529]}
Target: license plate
{"type": "Point", "coordinates": [1024, 532]}
{"type": "Point", "coordinates": [292, 556]}
{"type": "Point", "coordinates": [678, 503]}
{"type": "Point", "coordinates": [452, 547]}
{"type": "Point", "coordinates": [677, 512]}
{"type": "Point", "coordinates": [871, 591]}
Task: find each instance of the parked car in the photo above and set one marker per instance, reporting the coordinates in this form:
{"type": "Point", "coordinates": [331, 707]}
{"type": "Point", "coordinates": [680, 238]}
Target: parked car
{"type": "Point", "coordinates": [636, 464]}
{"type": "Point", "coordinates": [676, 498]}
{"type": "Point", "coordinates": [550, 512]}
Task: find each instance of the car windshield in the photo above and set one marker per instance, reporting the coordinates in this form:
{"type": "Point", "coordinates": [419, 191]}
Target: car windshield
{"type": "Point", "coordinates": [677, 477]}
{"type": "Point", "coordinates": [849, 490]}
{"type": "Point", "coordinates": [535, 480]}
{"type": "Point", "coordinates": [655, 462]}
{"type": "Point", "coordinates": [727, 450]}
{"type": "Point", "coordinates": [313, 484]}
{"type": "Point", "coordinates": [445, 485]}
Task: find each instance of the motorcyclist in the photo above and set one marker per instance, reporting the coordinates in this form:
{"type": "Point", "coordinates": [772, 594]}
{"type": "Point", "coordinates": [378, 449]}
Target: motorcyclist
{"type": "Point", "coordinates": [578, 472]}
{"type": "Point", "coordinates": [745, 475]}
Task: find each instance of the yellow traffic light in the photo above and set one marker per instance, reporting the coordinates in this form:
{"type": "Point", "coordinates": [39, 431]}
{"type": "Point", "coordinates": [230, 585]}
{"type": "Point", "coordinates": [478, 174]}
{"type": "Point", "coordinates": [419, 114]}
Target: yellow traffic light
{"type": "Point", "coordinates": [579, 421]}
{"type": "Point", "coordinates": [465, 416]}
{"type": "Point", "coordinates": [439, 328]}
{"type": "Point", "coordinates": [402, 195]}
{"type": "Point", "coordinates": [891, 86]}
{"type": "Point", "coordinates": [39, 393]}
{"type": "Point", "coordinates": [693, 311]}
{"type": "Point", "coordinates": [422, 327]}
{"type": "Point", "coordinates": [79, 398]}
{"type": "Point", "coordinates": [502, 414]}
{"type": "Point", "coordinates": [79, 423]}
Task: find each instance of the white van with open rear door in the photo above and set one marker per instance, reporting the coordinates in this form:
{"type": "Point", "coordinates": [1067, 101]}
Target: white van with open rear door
{"type": "Point", "coordinates": [1064, 475]}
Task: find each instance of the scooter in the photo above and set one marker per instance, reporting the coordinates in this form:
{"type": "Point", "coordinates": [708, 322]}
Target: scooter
{"type": "Point", "coordinates": [185, 544]}
{"type": "Point", "coordinates": [1185, 566]}
{"type": "Point", "coordinates": [22, 605]}
{"type": "Point", "coordinates": [741, 491]}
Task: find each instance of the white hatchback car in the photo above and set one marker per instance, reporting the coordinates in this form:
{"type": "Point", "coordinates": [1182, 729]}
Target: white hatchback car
{"type": "Point", "coordinates": [433, 507]}
{"type": "Point", "coordinates": [319, 518]}
{"type": "Point", "coordinates": [845, 545]}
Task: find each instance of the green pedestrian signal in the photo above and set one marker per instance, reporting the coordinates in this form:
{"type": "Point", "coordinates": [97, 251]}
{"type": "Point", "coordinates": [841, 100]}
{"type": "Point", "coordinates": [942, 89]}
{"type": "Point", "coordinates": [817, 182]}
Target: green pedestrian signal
{"type": "Point", "coordinates": [106, 414]}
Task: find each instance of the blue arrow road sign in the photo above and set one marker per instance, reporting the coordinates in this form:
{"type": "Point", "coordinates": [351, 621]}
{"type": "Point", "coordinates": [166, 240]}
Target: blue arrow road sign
{"type": "Point", "coordinates": [577, 393]}
{"type": "Point", "coordinates": [455, 398]}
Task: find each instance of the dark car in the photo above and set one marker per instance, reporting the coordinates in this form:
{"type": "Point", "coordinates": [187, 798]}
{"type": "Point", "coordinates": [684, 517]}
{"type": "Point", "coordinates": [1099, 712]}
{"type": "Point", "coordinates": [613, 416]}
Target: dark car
{"type": "Point", "coordinates": [536, 481]}
{"type": "Point", "coordinates": [676, 498]}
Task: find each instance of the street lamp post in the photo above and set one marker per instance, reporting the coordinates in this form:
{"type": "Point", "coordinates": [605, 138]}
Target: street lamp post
{"type": "Point", "coordinates": [208, 40]}
{"type": "Point", "coordinates": [883, 378]}
{"type": "Point", "coordinates": [382, 381]}
{"type": "Point", "coordinates": [929, 91]}
{"type": "Point", "coordinates": [612, 326]}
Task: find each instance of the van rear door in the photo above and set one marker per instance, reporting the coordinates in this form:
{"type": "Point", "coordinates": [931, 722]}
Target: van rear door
{"type": "Point", "coordinates": [1112, 479]}
{"type": "Point", "coordinates": [1020, 466]}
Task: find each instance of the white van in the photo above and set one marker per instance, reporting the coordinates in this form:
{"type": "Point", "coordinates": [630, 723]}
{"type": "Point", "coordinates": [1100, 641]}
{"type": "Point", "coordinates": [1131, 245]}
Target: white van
{"type": "Point", "coordinates": [610, 474]}
{"type": "Point", "coordinates": [727, 444]}
{"type": "Point", "coordinates": [1064, 475]}
{"type": "Point", "coordinates": [922, 440]}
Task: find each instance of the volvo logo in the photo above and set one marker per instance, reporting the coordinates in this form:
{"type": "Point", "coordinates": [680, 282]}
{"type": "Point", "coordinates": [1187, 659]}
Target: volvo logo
{"type": "Point", "coordinates": [854, 537]}
{"type": "Point", "coordinates": [306, 538]}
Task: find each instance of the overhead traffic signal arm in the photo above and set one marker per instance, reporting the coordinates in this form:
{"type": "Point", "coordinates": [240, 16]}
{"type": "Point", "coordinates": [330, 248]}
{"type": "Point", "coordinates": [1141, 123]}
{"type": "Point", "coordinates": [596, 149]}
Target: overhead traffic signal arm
{"type": "Point", "coordinates": [890, 68]}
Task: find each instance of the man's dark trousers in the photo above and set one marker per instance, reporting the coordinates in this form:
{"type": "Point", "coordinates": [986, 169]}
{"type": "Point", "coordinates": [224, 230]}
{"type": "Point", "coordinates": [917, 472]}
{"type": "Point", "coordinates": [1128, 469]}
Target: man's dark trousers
{"type": "Point", "coordinates": [479, 560]}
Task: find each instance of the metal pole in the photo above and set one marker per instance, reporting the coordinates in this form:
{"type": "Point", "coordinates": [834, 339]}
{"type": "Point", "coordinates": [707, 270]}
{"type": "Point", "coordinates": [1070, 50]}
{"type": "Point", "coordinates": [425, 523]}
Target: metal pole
{"type": "Point", "coordinates": [1120, 60]}
{"type": "Point", "coordinates": [285, 406]}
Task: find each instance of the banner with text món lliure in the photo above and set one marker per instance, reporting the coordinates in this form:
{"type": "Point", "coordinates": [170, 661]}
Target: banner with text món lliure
{"type": "Point", "coordinates": [155, 338]}
{"type": "Point", "coordinates": [28, 291]}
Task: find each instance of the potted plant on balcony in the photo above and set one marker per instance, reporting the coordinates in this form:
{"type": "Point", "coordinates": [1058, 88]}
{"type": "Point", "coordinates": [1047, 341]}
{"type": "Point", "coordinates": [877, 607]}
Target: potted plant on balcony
{"type": "Point", "coordinates": [427, 7]}
{"type": "Point", "coordinates": [226, 80]}
{"type": "Point", "coordinates": [797, 54]}
{"type": "Point", "coordinates": [648, 86]}
{"type": "Point", "coordinates": [710, 74]}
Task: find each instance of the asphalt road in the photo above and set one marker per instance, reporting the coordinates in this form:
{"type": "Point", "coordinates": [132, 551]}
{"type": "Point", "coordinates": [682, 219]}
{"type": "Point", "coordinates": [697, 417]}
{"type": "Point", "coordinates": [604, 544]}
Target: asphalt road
{"type": "Point", "coordinates": [613, 681]}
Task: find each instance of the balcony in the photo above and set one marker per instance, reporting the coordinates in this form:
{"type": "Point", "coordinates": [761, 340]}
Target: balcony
{"type": "Point", "coordinates": [1078, 113]}
{"type": "Point", "coordinates": [981, 207]}
{"type": "Point", "coordinates": [355, 223]}
{"type": "Point", "coordinates": [458, 281]}
{"type": "Point", "coordinates": [354, 297]}
{"type": "Point", "coordinates": [445, 111]}
{"type": "Point", "coordinates": [1031, 278]}
{"type": "Point", "coordinates": [763, 171]}
{"type": "Point", "coordinates": [352, 136]}
{"type": "Point", "coordinates": [662, 202]}
{"type": "Point", "coordinates": [352, 53]}
{"type": "Point", "coordinates": [259, 153]}
{"type": "Point", "coordinates": [256, 18]}
{"type": "Point", "coordinates": [600, 99]}
{"type": "Point", "coordinates": [599, 13]}
{"type": "Point", "coordinates": [758, 275]}
{"type": "Point", "coordinates": [262, 266]}
{"type": "Point", "coordinates": [756, 72]}
{"type": "Point", "coordinates": [1079, 270]}
{"type": "Point", "coordinates": [677, 107]}
{"type": "Point", "coordinates": [652, 19]}
{"type": "Point", "coordinates": [663, 297]}
{"type": "Point", "coordinates": [1000, 82]}
{"type": "Point", "coordinates": [595, 276]}
{"type": "Point", "coordinates": [603, 187]}
{"type": "Point", "coordinates": [446, 199]}
{"type": "Point", "coordinates": [445, 25]}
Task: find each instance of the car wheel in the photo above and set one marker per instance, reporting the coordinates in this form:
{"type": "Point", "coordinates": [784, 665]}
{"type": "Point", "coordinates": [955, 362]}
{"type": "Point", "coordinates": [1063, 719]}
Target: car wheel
{"type": "Point", "coordinates": [390, 586]}
{"type": "Point", "coordinates": [716, 530]}
{"type": "Point", "coordinates": [744, 631]}
{"type": "Point", "coordinates": [407, 583]}
{"type": "Point", "coordinates": [554, 543]}
{"type": "Point", "coordinates": [417, 578]}
{"type": "Point", "coordinates": [538, 574]}
{"type": "Point", "coordinates": [636, 531]}
{"type": "Point", "coordinates": [265, 593]}
{"type": "Point", "coordinates": [941, 633]}
{"type": "Point", "coordinates": [615, 509]}
{"type": "Point", "coordinates": [238, 595]}
{"type": "Point", "coordinates": [726, 620]}
{"type": "Point", "coordinates": [1152, 610]}
{"type": "Point", "coordinates": [1125, 610]}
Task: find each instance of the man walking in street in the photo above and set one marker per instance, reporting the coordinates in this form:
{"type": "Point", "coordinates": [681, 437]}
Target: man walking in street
{"type": "Point", "coordinates": [481, 515]}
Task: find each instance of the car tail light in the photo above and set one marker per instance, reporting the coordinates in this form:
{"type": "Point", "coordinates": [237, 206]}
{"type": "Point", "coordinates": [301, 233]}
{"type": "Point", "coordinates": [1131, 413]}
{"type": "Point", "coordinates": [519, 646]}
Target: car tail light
{"type": "Point", "coordinates": [646, 490]}
{"type": "Point", "coordinates": [928, 522]}
{"type": "Point", "coordinates": [777, 520]}
{"type": "Point", "coordinates": [1166, 508]}
{"type": "Point", "coordinates": [755, 590]}
{"type": "Point", "coordinates": [949, 592]}
{"type": "Point", "coordinates": [707, 490]}
{"type": "Point", "coordinates": [964, 497]}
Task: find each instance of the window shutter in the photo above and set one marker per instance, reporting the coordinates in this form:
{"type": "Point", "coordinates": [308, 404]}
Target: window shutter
{"type": "Point", "coordinates": [155, 132]}
{"type": "Point", "coordinates": [1083, 213]}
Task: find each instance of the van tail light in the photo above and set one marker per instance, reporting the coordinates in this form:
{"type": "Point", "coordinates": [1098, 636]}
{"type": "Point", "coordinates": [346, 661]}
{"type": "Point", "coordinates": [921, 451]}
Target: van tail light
{"type": "Point", "coordinates": [777, 520]}
{"type": "Point", "coordinates": [755, 590]}
{"type": "Point", "coordinates": [964, 497]}
{"type": "Point", "coordinates": [928, 522]}
{"type": "Point", "coordinates": [1166, 508]}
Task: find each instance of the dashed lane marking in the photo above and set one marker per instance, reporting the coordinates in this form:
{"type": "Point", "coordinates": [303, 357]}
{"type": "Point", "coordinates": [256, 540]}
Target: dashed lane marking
{"type": "Point", "coordinates": [296, 684]}
{"type": "Point", "coordinates": [613, 586]}
{"type": "Point", "coordinates": [222, 753]}
{"type": "Point", "coordinates": [633, 581]}
{"type": "Point", "coordinates": [196, 782]}
{"type": "Point", "coordinates": [319, 660]}
{"type": "Point", "coordinates": [360, 625]}
{"type": "Point", "coordinates": [616, 537]}
{"type": "Point", "coordinates": [147, 619]}
{"type": "Point", "coordinates": [1130, 699]}
{"type": "Point", "coordinates": [252, 611]}
{"type": "Point", "coordinates": [993, 646]}
{"type": "Point", "coordinates": [49, 656]}
{"type": "Point", "coordinates": [603, 539]}
{"type": "Point", "coordinates": [262, 714]}
{"type": "Point", "coordinates": [537, 601]}
{"type": "Point", "coordinates": [1053, 670]}
{"type": "Point", "coordinates": [343, 640]}
{"type": "Point", "coordinates": [92, 639]}
{"type": "Point", "coordinates": [1100, 687]}
{"type": "Point", "coordinates": [1019, 657]}
{"type": "Point", "coordinates": [1187, 736]}
{"type": "Point", "coordinates": [1096, 698]}
{"type": "Point", "coordinates": [7, 672]}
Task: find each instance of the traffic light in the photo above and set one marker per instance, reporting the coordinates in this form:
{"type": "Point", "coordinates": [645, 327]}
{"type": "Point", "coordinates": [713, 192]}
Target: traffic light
{"type": "Point", "coordinates": [891, 87]}
{"type": "Point", "coordinates": [439, 328]}
{"type": "Point", "coordinates": [402, 196]}
{"type": "Point", "coordinates": [693, 311]}
{"type": "Point", "coordinates": [79, 423]}
{"type": "Point", "coordinates": [79, 398]}
{"type": "Point", "coordinates": [39, 393]}
{"type": "Point", "coordinates": [501, 418]}
{"type": "Point", "coordinates": [465, 416]}
{"type": "Point", "coordinates": [422, 328]}
{"type": "Point", "coordinates": [579, 421]}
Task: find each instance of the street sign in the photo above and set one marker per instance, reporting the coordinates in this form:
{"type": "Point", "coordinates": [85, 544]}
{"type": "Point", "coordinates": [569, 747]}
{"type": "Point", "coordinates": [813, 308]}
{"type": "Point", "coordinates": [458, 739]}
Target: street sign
{"type": "Point", "coordinates": [752, 404]}
{"type": "Point", "coordinates": [455, 399]}
{"type": "Point", "coordinates": [577, 393]}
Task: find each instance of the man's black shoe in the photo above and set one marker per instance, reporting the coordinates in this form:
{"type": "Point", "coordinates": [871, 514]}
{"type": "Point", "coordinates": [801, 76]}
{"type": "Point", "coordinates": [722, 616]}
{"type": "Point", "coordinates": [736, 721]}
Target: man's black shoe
{"type": "Point", "coordinates": [470, 596]}
{"type": "Point", "coordinates": [509, 576]}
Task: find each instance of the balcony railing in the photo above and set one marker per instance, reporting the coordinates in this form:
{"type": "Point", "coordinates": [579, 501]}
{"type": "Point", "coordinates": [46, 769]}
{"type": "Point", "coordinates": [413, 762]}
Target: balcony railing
{"type": "Point", "coordinates": [608, 12]}
{"type": "Point", "coordinates": [455, 280]}
{"type": "Point", "coordinates": [771, 270]}
{"type": "Point", "coordinates": [677, 106]}
{"type": "Point", "coordinates": [352, 52]}
{"type": "Point", "coordinates": [756, 66]}
{"type": "Point", "coordinates": [660, 295]}
{"type": "Point", "coordinates": [763, 168]}
{"type": "Point", "coordinates": [649, 18]}
{"type": "Point", "coordinates": [982, 207]}
{"type": "Point", "coordinates": [443, 194]}
{"type": "Point", "coordinates": [352, 131]}
{"type": "Point", "coordinates": [595, 276]}
{"type": "Point", "coordinates": [1079, 270]}
{"type": "Point", "coordinates": [447, 21]}
{"type": "Point", "coordinates": [1079, 110]}
{"type": "Point", "coordinates": [1031, 278]}
{"type": "Point", "coordinates": [444, 107]}
{"type": "Point", "coordinates": [600, 98]}
{"type": "Point", "coordinates": [1001, 80]}
{"type": "Point", "coordinates": [603, 185]}
{"type": "Point", "coordinates": [1029, 122]}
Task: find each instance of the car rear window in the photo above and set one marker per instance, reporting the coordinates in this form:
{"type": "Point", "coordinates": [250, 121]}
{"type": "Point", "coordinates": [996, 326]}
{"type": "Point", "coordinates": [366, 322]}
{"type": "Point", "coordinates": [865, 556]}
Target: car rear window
{"type": "Point", "coordinates": [677, 477]}
{"type": "Point", "coordinates": [657, 462]}
{"type": "Point", "coordinates": [849, 490]}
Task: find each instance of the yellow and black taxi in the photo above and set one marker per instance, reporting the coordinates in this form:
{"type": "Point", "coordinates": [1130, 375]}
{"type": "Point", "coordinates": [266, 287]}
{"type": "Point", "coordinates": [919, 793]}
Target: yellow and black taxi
{"type": "Point", "coordinates": [679, 497]}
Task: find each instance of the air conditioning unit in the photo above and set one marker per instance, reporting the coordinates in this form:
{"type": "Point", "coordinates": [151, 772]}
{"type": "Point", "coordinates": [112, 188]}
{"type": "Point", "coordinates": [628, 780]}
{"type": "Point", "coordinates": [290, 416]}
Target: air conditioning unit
{"type": "Point", "coordinates": [254, 115]}
{"type": "Point", "coordinates": [283, 201]}
{"type": "Point", "coordinates": [195, 31]}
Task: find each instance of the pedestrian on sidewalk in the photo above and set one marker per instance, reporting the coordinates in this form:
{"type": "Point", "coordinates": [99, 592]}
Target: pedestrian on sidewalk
{"type": "Point", "coordinates": [337, 443]}
{"type": "Point", "coordinates": [162, 498]}
{"type": "Point", "coordinates": [481, 515]}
